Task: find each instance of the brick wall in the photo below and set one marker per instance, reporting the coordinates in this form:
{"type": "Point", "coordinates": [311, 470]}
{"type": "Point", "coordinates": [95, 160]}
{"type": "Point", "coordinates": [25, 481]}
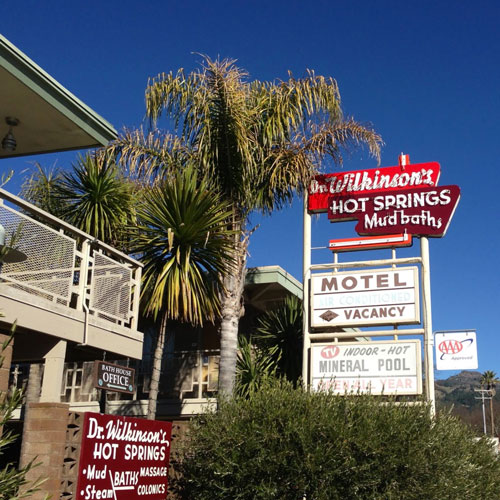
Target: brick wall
{"type": "Point", "coordinates": [44, 439]}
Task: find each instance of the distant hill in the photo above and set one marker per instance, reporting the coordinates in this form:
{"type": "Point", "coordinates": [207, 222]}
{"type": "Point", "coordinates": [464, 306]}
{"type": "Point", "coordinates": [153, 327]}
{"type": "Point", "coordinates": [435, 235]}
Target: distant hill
{"type": "Point", "coordinates": [457, 392]}
{"type": "Point", "coordinates": [458, 389]}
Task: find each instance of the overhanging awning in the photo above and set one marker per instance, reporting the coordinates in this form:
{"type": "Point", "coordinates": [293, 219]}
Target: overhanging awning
{"type": "Point", "coordinates": [51, 118]}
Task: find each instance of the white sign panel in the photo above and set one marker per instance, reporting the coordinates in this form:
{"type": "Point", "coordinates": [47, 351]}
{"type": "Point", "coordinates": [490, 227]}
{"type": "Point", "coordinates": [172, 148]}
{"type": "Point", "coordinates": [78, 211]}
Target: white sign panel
{"type": "Point", "coordinates": [456, 350]}
{"type": "Point", "coordinates": [365, 298]}
{"type": "Point", "coordinates": [379, 367]}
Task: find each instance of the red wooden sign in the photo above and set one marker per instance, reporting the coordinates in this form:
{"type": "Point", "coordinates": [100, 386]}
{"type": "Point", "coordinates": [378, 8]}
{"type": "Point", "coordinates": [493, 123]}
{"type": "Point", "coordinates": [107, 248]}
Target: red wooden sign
{"type": "Point", "coordinates": [123, 458]}
{"type": "Point", "coordinates": [422, 211]}
{"type": "Point", "coordinates": [370, 181]}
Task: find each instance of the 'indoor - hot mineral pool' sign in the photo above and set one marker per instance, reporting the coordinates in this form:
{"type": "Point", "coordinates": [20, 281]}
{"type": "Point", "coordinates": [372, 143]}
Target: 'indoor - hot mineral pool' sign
{"type": "Point", "coordinates": [123, 458]}
{"type": "Point", "coordinates": [381, 367]}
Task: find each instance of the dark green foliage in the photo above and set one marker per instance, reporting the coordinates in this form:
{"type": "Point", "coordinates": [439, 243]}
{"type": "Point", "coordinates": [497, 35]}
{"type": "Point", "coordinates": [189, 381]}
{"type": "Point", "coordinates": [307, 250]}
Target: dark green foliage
{"type": "Point", "coordinates": [284, 443]}
{"type": "Point", "coordinates": [97, 198]}
{"type": "Point", "coordinates": [279, 334]}
{"type": "Point", "coordinates": [253, 368]}
{"type": "Point", "coordinates": [274, 350]}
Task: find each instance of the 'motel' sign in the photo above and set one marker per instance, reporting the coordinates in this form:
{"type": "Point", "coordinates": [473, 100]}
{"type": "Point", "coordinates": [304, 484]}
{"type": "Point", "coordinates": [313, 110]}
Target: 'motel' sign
{"type": "Point", "coordinates": [123, 458]}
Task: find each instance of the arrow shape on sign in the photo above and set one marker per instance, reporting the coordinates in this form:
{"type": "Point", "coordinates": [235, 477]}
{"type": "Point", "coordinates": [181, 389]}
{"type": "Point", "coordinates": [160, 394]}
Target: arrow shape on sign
{"type": "Point", "coordinates": [421, 211]}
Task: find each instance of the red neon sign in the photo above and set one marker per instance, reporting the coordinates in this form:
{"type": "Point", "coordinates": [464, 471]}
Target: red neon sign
{"type": "Point", "coordinates": [422, 211]}
{"type": "Point", "coordinates": [370, 181]}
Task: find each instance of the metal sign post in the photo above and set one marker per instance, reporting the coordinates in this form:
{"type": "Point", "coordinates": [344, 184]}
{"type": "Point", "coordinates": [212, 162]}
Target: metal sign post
{"type": "Point", "coordinates": [427, 323]}
{"type": "Point", "coordinates": [306, 273]}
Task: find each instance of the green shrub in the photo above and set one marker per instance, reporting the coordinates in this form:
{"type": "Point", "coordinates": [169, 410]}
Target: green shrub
{"type": "Point", "coordinates": [285, 443]}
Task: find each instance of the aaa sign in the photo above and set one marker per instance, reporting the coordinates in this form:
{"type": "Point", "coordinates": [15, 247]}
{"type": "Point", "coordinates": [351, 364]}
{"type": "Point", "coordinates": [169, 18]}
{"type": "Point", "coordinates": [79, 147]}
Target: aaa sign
{"type": "Point", "coordinates": [421, 211]}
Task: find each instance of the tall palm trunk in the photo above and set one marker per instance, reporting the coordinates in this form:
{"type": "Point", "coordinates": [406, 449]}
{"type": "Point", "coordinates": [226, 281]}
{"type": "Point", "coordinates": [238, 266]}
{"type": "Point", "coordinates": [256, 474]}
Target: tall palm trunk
{"type": "Point", "coordinates": [231, 311]}
{"type": "Point", "coordinates": [154, 384]}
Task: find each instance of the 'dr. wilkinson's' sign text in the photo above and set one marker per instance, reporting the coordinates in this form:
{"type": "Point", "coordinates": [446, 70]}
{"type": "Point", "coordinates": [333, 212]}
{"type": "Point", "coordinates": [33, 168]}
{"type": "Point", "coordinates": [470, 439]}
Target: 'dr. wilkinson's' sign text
{"type": "Point", "coordinates": [370, 182]}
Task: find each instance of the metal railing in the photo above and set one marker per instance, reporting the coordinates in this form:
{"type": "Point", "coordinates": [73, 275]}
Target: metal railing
{"type": "Point", "coordinates": [67, 266]}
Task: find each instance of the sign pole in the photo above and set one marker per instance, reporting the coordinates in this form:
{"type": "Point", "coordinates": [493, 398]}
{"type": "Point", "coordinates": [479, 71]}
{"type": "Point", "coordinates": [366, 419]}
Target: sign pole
{"type": "Point", "coordinates": [306, 271]}
{"type": "Point", "coordinates": [102, 401]}
{"type": "Point", "coordinates": [428, 338]}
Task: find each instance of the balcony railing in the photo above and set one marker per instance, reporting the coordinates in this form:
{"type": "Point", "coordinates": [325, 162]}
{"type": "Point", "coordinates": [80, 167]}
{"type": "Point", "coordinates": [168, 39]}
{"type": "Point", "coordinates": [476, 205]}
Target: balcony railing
{"type": "Point", "coordinates": [67, 266]}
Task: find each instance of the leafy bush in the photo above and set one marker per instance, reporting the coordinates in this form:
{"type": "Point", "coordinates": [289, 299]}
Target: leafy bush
{"type": "Point", "coordinates": [285, 443]}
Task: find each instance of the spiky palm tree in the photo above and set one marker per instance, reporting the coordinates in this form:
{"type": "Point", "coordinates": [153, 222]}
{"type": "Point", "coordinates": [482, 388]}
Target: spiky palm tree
{"type": "Point", "coordinates": [97, 198]}
{"type": "Point", "coordinates": [183, 240]}
{"type": "Point", "coordinates": [260, 142]}
{"type": "Point", "coordinates": [489, 381]}
{"type": "Point", "coordinates": [93, 196]}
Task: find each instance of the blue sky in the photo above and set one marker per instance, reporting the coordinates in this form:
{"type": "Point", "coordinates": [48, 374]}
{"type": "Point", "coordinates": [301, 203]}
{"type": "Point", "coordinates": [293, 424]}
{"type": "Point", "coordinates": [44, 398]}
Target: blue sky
{"type": "Point", "coordinates": [425, 74]}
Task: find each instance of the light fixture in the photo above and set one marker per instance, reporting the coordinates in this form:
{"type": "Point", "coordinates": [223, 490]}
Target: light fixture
{"type": "Point", "coordinates": [9, 142]}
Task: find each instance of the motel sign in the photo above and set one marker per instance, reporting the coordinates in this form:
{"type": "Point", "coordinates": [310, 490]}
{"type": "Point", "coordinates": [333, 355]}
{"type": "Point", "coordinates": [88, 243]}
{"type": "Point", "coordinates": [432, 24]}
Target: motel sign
{"type": "Point", "coordinates": [365, 298]}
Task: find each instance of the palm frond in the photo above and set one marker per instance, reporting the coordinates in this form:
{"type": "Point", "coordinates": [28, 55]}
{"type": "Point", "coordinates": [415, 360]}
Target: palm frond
{"type": "Point", "coordinates": [334, 139]}
{"type": "Point", "coordinates": [147, 156]}
{"type": "Point", "coordinates": [261, 141]}
{"type": "Point", "coordinates": [279, 334]}
{"type": "Point", "coordinates": [253, 368]}
{"type": "Point", "coordinates": [40, 188]}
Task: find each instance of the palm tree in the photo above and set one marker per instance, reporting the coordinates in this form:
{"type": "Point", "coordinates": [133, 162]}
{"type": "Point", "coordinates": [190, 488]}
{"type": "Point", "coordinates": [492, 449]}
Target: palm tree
{"type": "Point", "coordinates": [488, 381]}
{"type": "Point", "coordinates": [97, 198]}
{"type": "Point", "coordinates": [260, 143]}
{"type": "Point", "coordinates": [182, 240]}
{"type": "Point", "coordinates": [40, 188]}
{"type": "Point", "coordinates": [93, 196]}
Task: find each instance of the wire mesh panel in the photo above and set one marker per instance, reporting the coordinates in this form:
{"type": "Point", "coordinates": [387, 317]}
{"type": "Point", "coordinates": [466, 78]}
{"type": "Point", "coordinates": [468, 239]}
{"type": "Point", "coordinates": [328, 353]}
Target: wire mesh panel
{"type": "Point", "coordinates": [111, 288]}
{"type": "Point", "coordinates": [49, 268]}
